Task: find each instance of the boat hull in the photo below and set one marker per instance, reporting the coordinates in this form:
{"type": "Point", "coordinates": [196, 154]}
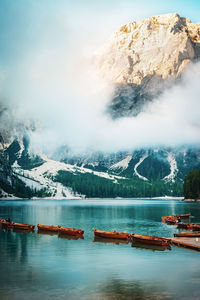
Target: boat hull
{"type": "Point", "coordinates": [111, 234]}
{"type": "Point", "coordinates": [23, 226]}
{"type": "Point", "coordinates": [150, 240]}
{"type": "Point", "coordinates": [70, 231]}
{"type": "Point", "coordinates": [52, 228]}
{"type": "Point", "coordinates": [189, 226]}
{"type": "Point", "coordinates": [184, 225]}
{"type": "Point", "coordinates": [173, 220]}
{"type": "Point", "coordinates": [187, 234]}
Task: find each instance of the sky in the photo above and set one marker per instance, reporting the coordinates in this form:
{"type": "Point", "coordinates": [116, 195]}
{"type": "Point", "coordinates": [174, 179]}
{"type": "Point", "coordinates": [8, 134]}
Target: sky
{"type": "Point", "coordinates": [44, 47]}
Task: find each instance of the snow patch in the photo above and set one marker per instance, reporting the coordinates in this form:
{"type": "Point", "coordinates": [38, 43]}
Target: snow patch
{"type": "Point", "coordinates": [173, 168]}
{"type": "Point", "coordinates": [34, 185]}
{"type": "Point", "coordinates": [123, 164]}
{"type": "Point", "coordinates": [137, 165]}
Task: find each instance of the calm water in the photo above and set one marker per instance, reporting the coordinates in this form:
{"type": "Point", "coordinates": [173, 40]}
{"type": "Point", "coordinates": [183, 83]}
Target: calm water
{"type": "Point", "coordinates": [34, 266]}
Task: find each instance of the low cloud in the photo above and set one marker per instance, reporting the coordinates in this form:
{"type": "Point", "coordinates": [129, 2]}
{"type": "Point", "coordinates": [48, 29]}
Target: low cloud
{"type": "Point", "coordinates": [56, 86]}
{"type": "Point", "coordinates": [75, 115]}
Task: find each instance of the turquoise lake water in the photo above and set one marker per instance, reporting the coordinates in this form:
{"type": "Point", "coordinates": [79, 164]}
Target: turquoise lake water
{"type": "Point", "coordinates": [41, 266]}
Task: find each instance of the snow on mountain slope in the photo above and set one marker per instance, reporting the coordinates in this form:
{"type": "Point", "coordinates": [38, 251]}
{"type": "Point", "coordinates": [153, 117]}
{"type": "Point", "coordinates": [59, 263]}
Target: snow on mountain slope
{"type": "Point", "coordinates": [33, 184]}
{"type": "Point", "coordinates": [173, 168]}
{"type": "Point", "coordinates": [123, 164]}
{"type": "Point", "coordinates": [41, 177]}
{"type": "Point", "coordinates": [53, 167]}
{"type": "Point", "coordinates": [137, 165]}
{"type": "Point", "coordinates": [37, 178]}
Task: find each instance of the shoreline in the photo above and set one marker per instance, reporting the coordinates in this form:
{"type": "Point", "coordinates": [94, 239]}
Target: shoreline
{"type": "Point", "coordinates": [97, 198]}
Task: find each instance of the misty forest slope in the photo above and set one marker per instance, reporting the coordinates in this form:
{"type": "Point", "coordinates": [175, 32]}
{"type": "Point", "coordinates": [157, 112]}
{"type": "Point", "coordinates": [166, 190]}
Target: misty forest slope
{"type": "Point", "coordinates": [141, 173]}
{"type": "Point", "coordinates": [141, 61]}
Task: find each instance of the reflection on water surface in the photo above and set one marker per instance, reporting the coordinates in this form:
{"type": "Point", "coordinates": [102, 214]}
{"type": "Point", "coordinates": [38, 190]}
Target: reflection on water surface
{"type": "Point", "coordinates": [35, 266]}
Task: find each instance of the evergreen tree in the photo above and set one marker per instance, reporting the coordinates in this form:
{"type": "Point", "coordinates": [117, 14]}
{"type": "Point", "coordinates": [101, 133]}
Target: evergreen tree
{"type": "Point", "coordinates": [192, 185]}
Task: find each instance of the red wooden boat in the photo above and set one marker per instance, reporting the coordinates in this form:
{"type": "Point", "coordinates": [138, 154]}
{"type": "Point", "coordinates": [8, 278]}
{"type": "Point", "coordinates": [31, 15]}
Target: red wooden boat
{"type": "Point", "coordinates": [150, 240]}
{"type": "Point", "coordinates": [171, 221]}
{"type": "Point", "coordinates": [185, 225]}
{"type": "Point", "coordinates": [2, 220]}
{"type": "Point", "coordinates": [189, 226]}
{"type": "Point", "coordinates": [23, 226]}
{"type": "Point", "coordinates": [182, 216]}
{"type": "Point", "coordinates": [70, 231]}
{"type": "Point", "coordinates": [111, 234]}
{"type": "Point", "coordinates": [42, 227]}
{"type": "Point", "coordinates": [174, 218]}
{"type": "Point", "coordinates": [187, 234]}
{"type": "Point", "coordinates": [195, 227]}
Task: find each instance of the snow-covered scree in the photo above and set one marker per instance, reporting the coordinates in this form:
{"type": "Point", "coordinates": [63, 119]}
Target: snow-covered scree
{"type": "Point", "coordinates": [173, 168]}
{"type": "Point", "coordinates": [40, 177]}
{"type": "Point", "coordinates": [137, 165]}
{"type": "Point", "coordinates": [123, 164]}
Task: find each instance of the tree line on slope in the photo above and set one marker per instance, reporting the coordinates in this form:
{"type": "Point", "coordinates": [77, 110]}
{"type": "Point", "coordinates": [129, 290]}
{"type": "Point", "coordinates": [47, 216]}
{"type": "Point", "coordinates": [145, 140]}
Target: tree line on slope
{"type": "Point", "coordinates": [192, 185]}
{"type": "Point", "coordinates": [92, 185]}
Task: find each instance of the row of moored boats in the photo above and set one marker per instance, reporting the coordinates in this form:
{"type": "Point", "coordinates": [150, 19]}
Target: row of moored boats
{"type": "Point", "coordinates": [176, 220]}
{"type": "Point", "coordinates": [8, 224]}
{"type": "Point", "coordinates": [116, 235]}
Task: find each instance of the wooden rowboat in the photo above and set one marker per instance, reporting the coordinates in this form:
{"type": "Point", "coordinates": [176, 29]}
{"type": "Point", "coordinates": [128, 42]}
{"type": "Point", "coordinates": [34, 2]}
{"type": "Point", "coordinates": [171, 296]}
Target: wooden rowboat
{"type": "Point", "coordinates": [42, 227]}
{"type": "Point", "coordinates": [70, 231]}
{"type": "Point", "coordinates": [184, 225]}
{"type": "Point", "coordinates": [23, 226]}
{"type": "Point", "coordinates": [150, 240]}
{"type": "Point", "coordinates": [187, 234]}
{"type": "Point", "coordinates": [111, 234]}
{"type": "Point", "coordinates": [174, 218]}
{"type": "Point", "coordinates": [195, 227]}
{"type": "Point", "coordinates": [182, 216]}
{"type": "Point", "coordinates": [171, 221]}
{"type": "Point", "coordinates": [189, 226]}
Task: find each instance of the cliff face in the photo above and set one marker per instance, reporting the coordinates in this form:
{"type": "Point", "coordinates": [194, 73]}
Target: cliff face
{"type": "Point", "coordinates": [144, 57]}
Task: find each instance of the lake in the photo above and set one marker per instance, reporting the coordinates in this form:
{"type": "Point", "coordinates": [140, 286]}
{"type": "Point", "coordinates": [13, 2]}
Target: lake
{"type": "Point", "coordinates": [42, 266]}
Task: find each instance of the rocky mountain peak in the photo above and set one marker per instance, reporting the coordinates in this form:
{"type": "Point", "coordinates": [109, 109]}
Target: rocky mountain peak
{"type": "Point", "coordinates": [146, 54]}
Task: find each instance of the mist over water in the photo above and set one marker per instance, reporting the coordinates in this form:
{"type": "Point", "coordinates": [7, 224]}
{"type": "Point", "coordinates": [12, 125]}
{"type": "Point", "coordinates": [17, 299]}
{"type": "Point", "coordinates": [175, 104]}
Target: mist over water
{"type": "Point", "coordinates": [56, 85]}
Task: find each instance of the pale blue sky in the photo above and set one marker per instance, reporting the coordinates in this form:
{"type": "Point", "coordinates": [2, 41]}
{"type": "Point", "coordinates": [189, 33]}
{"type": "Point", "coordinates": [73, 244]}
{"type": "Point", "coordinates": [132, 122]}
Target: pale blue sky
{"type": "Point", "coordinates": [25, 24]}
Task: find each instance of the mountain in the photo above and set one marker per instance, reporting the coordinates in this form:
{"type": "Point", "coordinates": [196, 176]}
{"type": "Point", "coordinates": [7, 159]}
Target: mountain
{"type": "Point", "coordinates": [144, 58]}
{"type": "Point", "coordinates": [140, 173]}
{"type": "Point", "coordinates": [141, 60]}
